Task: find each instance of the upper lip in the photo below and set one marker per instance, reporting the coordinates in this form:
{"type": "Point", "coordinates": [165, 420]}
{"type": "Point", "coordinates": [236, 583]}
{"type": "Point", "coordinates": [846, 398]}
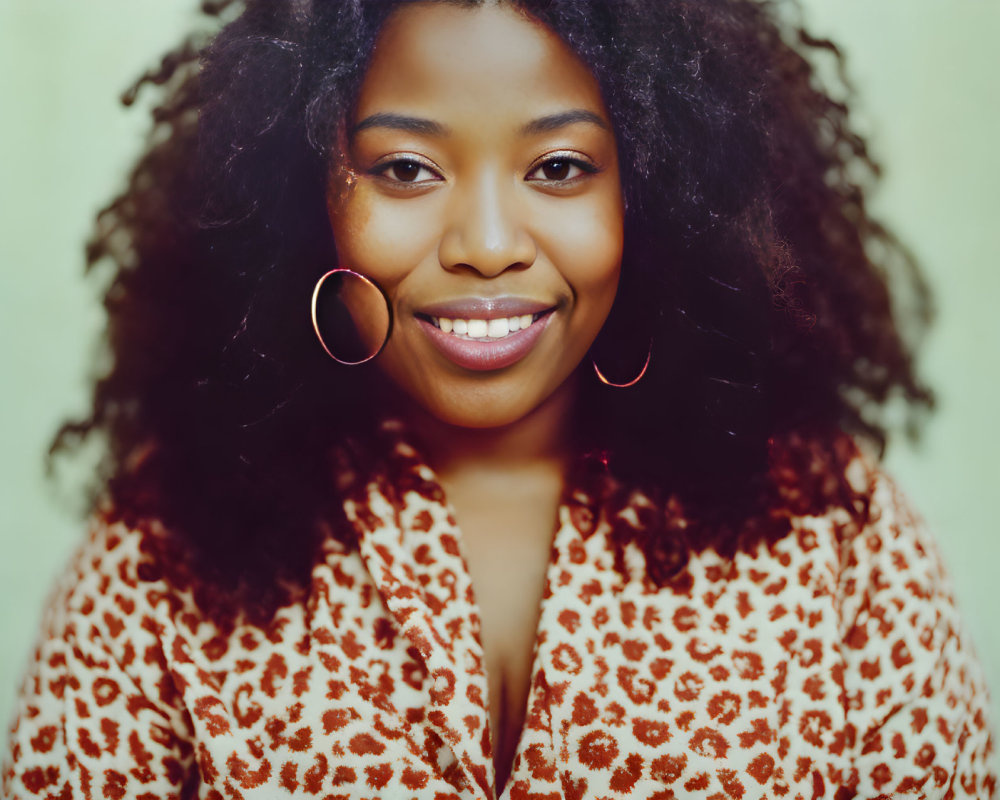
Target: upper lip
{"type": "Point", "coordinates": [486, 308]}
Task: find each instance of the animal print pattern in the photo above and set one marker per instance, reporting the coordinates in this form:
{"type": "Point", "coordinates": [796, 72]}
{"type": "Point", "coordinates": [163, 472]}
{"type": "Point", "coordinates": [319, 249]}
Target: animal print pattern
{"type": "Point", "coordinates": [828, 664]}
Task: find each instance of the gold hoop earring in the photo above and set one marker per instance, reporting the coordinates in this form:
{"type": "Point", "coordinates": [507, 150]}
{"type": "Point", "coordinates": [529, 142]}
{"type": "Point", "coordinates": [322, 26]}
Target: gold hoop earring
{"type": "Point", "coordinates": [351, 315]}
{"type": "Point", "coordinates": [601, 377]}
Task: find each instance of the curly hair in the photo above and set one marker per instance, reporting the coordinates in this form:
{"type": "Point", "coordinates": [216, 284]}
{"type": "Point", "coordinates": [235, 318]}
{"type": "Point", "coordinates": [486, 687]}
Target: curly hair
{"type": "Point", "coordinates": [751, 265]}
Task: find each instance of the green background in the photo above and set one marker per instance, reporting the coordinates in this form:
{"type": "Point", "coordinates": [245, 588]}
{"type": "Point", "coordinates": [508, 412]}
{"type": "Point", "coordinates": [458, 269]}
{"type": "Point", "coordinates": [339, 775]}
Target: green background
{"type": "Point", "coordinates": [926, 72]}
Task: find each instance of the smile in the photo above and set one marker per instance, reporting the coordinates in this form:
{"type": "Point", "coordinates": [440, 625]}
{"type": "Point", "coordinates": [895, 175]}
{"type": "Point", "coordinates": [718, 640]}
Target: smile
{"type": "Point", "coordinates": [482, 344]}
{"type": "Point", "coordinates": [483, 329]}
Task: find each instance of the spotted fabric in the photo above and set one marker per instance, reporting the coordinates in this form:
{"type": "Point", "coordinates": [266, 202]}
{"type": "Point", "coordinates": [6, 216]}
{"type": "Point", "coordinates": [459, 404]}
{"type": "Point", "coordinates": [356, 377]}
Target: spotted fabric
{"type": "Point", "coordinates": [827, 664]}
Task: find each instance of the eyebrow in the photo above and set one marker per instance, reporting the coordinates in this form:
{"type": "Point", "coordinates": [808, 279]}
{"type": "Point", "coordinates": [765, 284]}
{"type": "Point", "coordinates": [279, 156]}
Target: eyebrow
{"type": "Point", "coordinates": [553, 122]}
{"type": "Point", "coordinates": [546, 124]}
{"type": "Point", "coordinates": [400, 122]}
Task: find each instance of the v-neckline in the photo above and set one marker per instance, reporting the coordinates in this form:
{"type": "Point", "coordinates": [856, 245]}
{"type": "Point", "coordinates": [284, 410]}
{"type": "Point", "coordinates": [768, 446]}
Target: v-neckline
{"type": "Point", "coordinates": [410, 542]}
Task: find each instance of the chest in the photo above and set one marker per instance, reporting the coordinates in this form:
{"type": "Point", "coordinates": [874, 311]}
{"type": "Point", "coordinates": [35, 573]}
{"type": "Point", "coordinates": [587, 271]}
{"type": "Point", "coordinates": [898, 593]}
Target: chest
{"type": "Point", "coordinates": [507, 556]}
{"type": "Point", "coordinates": [627, 687]}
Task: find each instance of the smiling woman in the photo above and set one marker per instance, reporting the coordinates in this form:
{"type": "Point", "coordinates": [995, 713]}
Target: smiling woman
{"type": "Point", "coordinates": [479, 185]}
{"type": "Point", "coordinates": [598, 517]}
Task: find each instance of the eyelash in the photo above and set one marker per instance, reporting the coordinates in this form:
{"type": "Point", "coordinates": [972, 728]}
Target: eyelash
{"type": "Point", "coordinates": [381, 170]}
{"type": "Point", "coordinates": [584, 167]}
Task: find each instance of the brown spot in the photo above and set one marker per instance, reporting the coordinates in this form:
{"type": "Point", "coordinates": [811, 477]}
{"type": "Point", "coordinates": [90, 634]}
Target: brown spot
{"type": "Point", "coordinates": [312, 780]}
{"type": "Point", "coordinates": [650, 732]}
{"type": "Point", "coordinates": [301, 739]}
{"type": "Point", "coordinates": [366, 744]}
{"type": "Point", "coordinates": [685, 619]}
{"type": "Point", "coordinates": [566, 659]}
{"type": "Point", "coordinates": [87, 745]}
{"type": "Point", "coordinates": [710, 743]}
{"type": "Point", "coordinates": [105, 691]}
{"type": "Point", "coordinates": [275, 671]}
{"type": "Point", "coordinates": [688, 686]}
{"type": "Point", "coordinates": [43, 742]}
{"type": "Point", "coordinates": [597, 750]}
{"type": "Point", "coordinates": [881, 775]}
{"type": "Point", "coordinates": [625, 778]}
{"type": "Point", "coordinates": [760, 768]}
{"type": "Point", "coordinates": [698, 783]}
{"type": "Point", "coordinates": [378, 776]}
{"type": "Point", "coordinates": [925, 756]}
{"type": "Point", "coordinates": [37, 778]}
{"type": "Point", "coordinates": [584, 710]}
{"type": "Point", "coordinates": [541, 768]}
{"type": "Point", "coordinates": [901, 655]}
{"type": "Point", "coordinates": [724, 707]}
{"type": "Point", "coordinates": [730, 783]}
{"type": "Point", "coordinates": [412, 779]}
{"type": "Point", "coordinates": [639, 690]}
{"type": "Point", "coordinates": [667, 769]}
{"type": "Point", "coordinates": [115, 784]}
{"type": "Point", "coordinates": [245, 711]}
{"type": "Point", "coordinates": [248, 778]}
{"type": "Point", "coordinates": [217, 724]}
{"type": "Point", "coordinates": [570, 620]}
{"type": "Point", "coordinates": [288, 780]}
{"type": "Point", "coordinates": [748, 665]}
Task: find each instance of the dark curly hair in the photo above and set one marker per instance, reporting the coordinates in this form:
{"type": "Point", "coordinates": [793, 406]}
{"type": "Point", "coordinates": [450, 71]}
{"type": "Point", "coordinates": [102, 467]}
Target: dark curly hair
{"type": "Point", "coordinates": [751, 262]}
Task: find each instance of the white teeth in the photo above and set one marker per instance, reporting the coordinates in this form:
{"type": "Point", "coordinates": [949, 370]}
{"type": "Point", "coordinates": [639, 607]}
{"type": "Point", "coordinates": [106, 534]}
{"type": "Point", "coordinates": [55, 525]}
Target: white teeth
{"type": "Point", "coordinates": [497, 328]}
{"type": "Point", "coordinates": [478, 328]}
{"type": "Point", "coordinates": [484, 329]}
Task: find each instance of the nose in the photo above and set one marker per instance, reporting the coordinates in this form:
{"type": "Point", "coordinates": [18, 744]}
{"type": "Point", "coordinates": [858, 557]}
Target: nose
{"type": "Point", "coordinates": [485, 230]}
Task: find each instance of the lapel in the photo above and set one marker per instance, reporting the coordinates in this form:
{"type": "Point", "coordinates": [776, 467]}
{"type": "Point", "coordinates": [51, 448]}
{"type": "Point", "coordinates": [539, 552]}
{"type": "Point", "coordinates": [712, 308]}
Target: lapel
{"type": "Point", "coordinates": [408, 540]}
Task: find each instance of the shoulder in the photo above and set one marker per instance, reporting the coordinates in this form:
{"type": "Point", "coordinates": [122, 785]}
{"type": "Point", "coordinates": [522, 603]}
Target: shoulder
{"type": "Point", "coordinates": [97, 695]}
{"type": "Point", "coordinates": [118, 576]}
{"type": "Point", "coordinates": [913, 687]}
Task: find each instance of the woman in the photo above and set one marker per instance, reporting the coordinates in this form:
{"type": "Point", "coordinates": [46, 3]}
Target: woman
{"type": "Point", "coordinates": [687, 579]}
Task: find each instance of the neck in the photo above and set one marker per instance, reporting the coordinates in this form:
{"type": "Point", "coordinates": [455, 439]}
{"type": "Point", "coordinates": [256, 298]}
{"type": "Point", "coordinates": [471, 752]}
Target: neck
{"type": "Point", "coordinates": [540, 440]}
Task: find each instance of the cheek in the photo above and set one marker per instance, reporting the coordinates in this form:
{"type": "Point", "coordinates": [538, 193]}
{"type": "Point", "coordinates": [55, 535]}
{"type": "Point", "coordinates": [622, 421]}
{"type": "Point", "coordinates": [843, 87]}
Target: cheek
{"type": "Point", "coordinates": [589, 252]}
{"type": "Point", "coordinates": [383, 240]}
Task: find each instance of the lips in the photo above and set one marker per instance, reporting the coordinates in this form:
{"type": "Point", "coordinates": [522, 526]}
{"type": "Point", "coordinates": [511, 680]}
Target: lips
{"type": "Point", "coordinates": [485, 334]}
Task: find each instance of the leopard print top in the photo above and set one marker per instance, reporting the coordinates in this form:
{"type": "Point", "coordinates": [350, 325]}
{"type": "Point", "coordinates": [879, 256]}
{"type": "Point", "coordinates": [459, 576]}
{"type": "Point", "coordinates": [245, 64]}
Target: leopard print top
{"type": "Point", "coordinates": [822, 665]}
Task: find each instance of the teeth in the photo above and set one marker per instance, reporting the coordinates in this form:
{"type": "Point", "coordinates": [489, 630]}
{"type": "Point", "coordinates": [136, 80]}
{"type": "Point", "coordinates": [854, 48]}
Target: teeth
{"type": "Point", "coordinates": [497, 328]}
{"type": "Point", "coordinates": [484, 329]}
{"type": "Point", "coordinates": [478, 328]}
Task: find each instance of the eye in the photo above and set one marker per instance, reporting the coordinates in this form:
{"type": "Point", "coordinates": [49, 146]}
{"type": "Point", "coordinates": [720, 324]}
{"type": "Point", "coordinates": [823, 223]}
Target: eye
{"type": "Point", "coordinates": [406, 170]}
{"type": "Point", "coordinates": [560, 169]}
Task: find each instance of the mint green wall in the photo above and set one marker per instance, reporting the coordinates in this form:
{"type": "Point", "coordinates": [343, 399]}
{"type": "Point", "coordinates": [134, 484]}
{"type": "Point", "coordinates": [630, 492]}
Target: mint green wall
{"type": "Point", "coordinates": [926, 72]}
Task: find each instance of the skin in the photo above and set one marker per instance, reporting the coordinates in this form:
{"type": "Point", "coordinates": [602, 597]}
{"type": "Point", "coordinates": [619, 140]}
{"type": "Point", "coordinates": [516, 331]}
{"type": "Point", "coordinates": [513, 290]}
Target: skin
{"type": "Point", "coordinates": [481, 163]}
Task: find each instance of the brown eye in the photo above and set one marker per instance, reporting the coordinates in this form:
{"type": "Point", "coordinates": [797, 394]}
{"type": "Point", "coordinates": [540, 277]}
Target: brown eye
{"type": "Point", "coordinates": [556, 170]}
{"type": "Point", "coordinates": [405, 171]}
{"type": "Point", "coordinates": [559, 170]}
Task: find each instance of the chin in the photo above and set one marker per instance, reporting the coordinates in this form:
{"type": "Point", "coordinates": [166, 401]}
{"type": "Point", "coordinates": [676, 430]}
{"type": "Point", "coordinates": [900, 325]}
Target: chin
{"type": "Point", "coordinates": [478, 416]}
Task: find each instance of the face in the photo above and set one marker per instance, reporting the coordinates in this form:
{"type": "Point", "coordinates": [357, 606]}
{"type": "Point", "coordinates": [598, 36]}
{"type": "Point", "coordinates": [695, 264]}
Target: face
{"type": "Point", "coordinates": [479, 186]}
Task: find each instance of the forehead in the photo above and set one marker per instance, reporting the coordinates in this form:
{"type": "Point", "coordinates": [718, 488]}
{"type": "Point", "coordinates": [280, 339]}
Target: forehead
{"type": "Point", "coordinates": [490, 60]}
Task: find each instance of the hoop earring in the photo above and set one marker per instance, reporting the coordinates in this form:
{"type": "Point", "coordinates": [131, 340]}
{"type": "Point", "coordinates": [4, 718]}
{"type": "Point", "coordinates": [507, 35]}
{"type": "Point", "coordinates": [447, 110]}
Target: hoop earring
{"type": "Point", "coordinates": [633, 382]}
{"type": "Point", "coordinates": [351, 315]}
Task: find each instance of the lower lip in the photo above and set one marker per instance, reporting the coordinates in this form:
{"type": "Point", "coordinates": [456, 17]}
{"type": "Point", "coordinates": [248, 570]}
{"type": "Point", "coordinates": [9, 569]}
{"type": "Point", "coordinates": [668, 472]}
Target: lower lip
{"type": "Point", "coordinates": [483, 356]}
